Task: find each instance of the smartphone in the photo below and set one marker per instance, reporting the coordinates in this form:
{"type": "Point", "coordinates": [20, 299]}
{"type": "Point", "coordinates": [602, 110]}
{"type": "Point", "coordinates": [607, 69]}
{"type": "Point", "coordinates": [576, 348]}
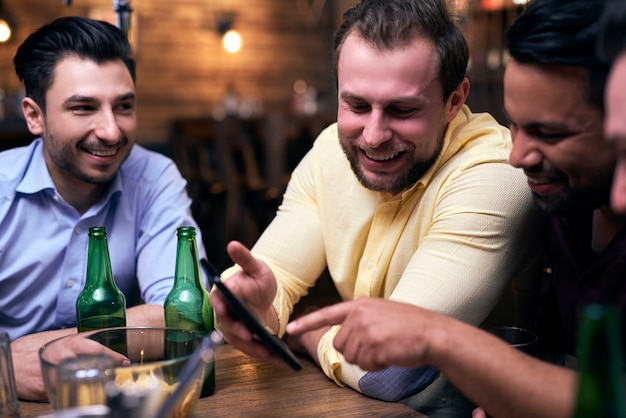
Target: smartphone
{"type": "Point", "coordinates": [277, 346]}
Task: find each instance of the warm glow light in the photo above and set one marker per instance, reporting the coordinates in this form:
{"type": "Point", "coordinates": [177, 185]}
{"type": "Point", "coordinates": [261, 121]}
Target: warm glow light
{"type": "Point", "coordinates": [491, 4]}
{"type": "Point", "coordinates": [299, 87]}
{"type": "Point", "coordinates": [5, 30]}
{"type": "Point", "coordinates": [231, 41]}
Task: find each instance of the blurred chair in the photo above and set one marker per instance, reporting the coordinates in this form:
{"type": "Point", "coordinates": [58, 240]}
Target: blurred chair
{"type": "Point", "coordinates": [237, 170]}
{"type": "Point", "coordinates": [222, 162]}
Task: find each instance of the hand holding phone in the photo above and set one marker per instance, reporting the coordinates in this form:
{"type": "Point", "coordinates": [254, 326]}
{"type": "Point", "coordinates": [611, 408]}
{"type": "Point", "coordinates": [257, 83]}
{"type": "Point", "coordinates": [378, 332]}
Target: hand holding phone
{"type": "Point", "coordinates": [241, 312]}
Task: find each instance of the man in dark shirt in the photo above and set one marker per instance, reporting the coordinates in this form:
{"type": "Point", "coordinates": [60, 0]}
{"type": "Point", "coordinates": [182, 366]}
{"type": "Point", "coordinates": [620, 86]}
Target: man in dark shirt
{"type": "Point", "coordinates": [582, 275]}
{"type": "Point", "coordinates": [554, 87]}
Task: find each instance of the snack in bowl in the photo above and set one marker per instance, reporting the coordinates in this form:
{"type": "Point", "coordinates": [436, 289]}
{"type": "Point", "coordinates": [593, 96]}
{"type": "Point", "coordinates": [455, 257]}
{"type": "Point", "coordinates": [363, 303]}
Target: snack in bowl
{"type": "Point", "coordinates": [147, 382]}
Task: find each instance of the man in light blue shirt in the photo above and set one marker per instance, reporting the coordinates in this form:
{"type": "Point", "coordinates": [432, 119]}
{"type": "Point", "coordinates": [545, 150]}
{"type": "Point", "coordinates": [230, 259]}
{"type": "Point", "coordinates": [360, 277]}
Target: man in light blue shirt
{"type": "Point", "coordinates": [85, 170]}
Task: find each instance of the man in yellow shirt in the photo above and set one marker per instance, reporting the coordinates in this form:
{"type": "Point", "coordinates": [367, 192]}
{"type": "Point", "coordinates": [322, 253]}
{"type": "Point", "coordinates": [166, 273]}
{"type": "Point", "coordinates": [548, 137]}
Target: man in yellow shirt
{"type": "Point", "coordinates": [408, 197]}
{"type": "Point", "coordinates": [553, 88]}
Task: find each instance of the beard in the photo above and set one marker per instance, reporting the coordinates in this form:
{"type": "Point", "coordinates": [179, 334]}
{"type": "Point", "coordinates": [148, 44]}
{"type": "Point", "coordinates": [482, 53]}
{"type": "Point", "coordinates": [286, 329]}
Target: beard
{"type": "Point", "coordinates": [398, 182]}
{"type": "Point", "coordinates": [562, 203]}
{"type": "Point", "coordinates": [62, 154]}
{"type": "Point", "coordinates": [556, 205]}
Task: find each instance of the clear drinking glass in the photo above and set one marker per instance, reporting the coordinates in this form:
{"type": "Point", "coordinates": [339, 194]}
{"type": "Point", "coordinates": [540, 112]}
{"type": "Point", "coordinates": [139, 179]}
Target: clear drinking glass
{"type": "Point", "coordinates": [82, 380]}
{"type": "Point", "coordinates": [520, 338]}
{"type": "Point", "coordinates": [9, 404]}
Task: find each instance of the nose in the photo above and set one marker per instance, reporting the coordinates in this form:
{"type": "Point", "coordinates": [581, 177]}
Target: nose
{"type": "Point", "coordinates": [107, 127]}
{"type": "Point", "coordinates": [376, 130]}
{"type": "Point", "coordinates": [524, 154]}
{"type": "Point", "coordinates": [618, 190]}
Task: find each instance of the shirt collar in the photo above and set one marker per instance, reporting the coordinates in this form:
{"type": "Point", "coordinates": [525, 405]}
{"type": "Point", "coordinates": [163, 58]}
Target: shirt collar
{"type": "Point", "coordinates": [37, 177]}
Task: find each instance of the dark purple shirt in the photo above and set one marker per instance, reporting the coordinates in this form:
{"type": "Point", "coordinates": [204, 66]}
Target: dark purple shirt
{"type": "Point", "coordinates": [580, 276]}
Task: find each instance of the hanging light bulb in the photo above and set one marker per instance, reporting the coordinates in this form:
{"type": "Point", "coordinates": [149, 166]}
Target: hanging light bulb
{"type": "Point", "coordinates": [5, 31]}
{"type": "Point", "coordinates": [231, 41]}
{"type": "Point", "coordinates": [6, 25]}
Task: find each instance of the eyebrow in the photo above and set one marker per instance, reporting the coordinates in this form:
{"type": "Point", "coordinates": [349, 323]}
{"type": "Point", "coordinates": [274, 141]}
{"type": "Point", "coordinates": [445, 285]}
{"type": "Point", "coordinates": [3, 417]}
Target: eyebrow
{"type": "Point", "coordinates": [537, 124]}
{"type": "Point", "coordinates": [402, 99]}
{"type": "Point", "coordinates": [548, 124]}
{"type": "Point", "coordinates": [77, 98]}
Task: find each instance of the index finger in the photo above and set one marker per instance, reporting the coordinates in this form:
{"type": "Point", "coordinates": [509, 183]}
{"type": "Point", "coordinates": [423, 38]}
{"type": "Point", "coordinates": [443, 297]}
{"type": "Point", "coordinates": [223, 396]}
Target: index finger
{"type": "Point", "coordinates": [330, 315]}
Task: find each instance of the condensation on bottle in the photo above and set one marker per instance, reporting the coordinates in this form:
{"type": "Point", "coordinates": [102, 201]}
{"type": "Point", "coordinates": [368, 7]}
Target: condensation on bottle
{"type": "Point", "coordinates": [187, 304]}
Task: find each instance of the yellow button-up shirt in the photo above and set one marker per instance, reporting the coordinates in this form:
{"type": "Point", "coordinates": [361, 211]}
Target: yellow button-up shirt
{"type": "Point", "coordinates": [450, 244]}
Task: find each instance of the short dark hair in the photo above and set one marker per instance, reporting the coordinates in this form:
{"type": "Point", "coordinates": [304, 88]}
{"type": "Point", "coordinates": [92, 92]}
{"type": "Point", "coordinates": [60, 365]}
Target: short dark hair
{"type": "Point", "coordinates": [561, 33]}
{"type": "Point", "coordinates": [612, 38]}
{"type": "Point", "coordinates": [388, 24]}
{"type": "Point", "coordinates": [37, 57]}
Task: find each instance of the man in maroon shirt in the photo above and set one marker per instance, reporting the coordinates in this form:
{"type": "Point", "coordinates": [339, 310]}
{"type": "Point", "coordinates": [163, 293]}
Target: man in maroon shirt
{"type": "Point", "coordinates": [554, 88]}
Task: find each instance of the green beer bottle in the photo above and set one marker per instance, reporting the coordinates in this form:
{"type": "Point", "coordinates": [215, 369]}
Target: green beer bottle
{"type": "Point", "coordinates": [187, 305]}
{"type": "Point", "coordinates": [601, 391]}
{"type": "Point", "coordinates": [101, 304]}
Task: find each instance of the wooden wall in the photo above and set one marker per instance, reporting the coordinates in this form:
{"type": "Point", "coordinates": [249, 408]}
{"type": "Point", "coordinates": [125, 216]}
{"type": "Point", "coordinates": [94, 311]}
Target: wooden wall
{"type": "Point", "coordinates": [183, 70]}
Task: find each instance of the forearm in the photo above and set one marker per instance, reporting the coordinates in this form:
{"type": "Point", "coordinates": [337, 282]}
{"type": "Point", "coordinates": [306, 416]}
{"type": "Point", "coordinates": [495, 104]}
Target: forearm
{"type": "Point", "coordinates": [25, 350]}
{"type": "Point", "coordinates": [145, 315]}
{"type": "Point", "coordinates": [499, 378]}
{"type": "Point", "coordinates": [25, 355]}
{"type": "Point", "coordinates": [377, 333]}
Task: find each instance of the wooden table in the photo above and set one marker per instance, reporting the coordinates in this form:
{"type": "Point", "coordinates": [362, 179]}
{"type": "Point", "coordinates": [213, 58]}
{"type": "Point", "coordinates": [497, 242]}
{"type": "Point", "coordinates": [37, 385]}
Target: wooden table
{"type": "Point", "coordinates": [248, 387]}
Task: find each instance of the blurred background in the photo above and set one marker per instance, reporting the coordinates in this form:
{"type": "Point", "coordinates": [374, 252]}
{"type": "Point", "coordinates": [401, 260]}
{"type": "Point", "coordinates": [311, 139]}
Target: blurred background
{"type": "Point", "coordinates": [235, 91]}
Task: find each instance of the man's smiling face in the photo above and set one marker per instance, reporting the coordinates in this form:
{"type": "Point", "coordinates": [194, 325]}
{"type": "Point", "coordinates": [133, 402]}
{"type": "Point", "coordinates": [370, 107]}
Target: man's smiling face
{"type": "Point", "coordinates": [557, 136]}
{"type": "Point", "coordinates": [90, 123]}
{"type": "Point", "coordinates": [391, 115]}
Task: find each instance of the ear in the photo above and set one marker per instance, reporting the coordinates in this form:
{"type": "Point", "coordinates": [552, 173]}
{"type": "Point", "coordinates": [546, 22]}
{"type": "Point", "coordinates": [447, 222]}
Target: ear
{"type": "Point", "coordinates": [33, 115]}
{"type": "Point", "coordinates": [457, 99]}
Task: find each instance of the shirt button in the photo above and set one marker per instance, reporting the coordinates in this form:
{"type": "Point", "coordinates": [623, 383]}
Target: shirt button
{"type": "Point", "coordinates": [369, 264]}
{"type": "Point", "coordinates": [55, 197]}
{"type": "Point", "coordinates": [77, 230]}
{"type": "Point", "coordinates": [387, 208]}
{"type": "Point", "coordinates": [70, 283]}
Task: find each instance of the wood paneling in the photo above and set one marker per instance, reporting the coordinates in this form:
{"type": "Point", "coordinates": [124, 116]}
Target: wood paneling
{"type": "Point", "coordinates": [183, 72]}
{"type": "Point", "coordinates": [182, 69]}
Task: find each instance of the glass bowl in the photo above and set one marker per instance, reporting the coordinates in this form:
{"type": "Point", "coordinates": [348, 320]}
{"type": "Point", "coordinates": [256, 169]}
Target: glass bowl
{"type": "Point", "coordinates": [157, 356]}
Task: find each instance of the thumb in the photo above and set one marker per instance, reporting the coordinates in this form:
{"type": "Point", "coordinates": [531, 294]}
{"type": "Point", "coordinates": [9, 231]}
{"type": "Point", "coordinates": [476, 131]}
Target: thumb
{"type": "Point", "coordinates": [242, 256]}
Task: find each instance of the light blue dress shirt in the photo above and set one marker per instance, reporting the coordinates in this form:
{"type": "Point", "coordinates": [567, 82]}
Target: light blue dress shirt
{"type": "Point", "coordinates": [43, 239]}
